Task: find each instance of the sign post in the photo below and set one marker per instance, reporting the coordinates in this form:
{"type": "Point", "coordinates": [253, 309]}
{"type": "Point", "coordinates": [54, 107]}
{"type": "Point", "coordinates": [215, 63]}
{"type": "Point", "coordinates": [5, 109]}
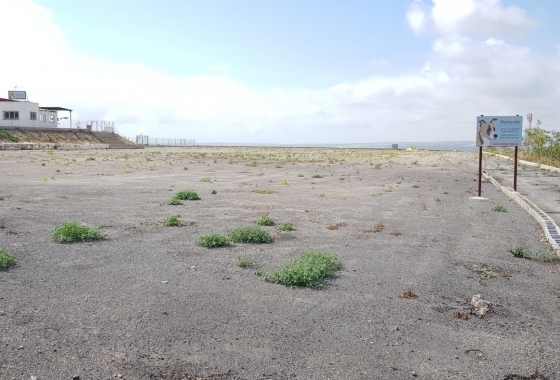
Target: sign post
{"type": "Point", "coordinates": [504, 131]}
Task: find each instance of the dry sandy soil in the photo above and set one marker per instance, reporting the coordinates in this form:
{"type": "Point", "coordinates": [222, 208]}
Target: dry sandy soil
{"type": "Point", "coordinates": [149, 303]}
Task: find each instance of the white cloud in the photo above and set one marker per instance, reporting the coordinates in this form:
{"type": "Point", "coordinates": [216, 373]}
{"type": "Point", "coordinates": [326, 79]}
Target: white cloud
{"type": "Point", "coordinates": [474, 17]}
{"type": "Point", "coordinates": [467, 74]}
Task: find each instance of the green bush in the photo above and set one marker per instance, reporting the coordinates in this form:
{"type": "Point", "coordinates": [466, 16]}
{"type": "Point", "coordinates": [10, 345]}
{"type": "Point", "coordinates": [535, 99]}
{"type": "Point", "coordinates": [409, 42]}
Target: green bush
{"type": "Point", "coordinates": [187, 195]}
{"type": "Point", "coordinates": [213, 241]}
{"type": "Point", "coordinates": [172, 221]}
{"type": "Point", "coordinates": [69, 232]}
{"type": "Point", "coordinates": [249, 235]}
{"type": "Point", "coordinates": [265, 220]}
{"type": "Point", "coordinates": [6, 259]}
{"type": "Point", "coordinates": [285, 226]}
{"type": "Point", "coordinates": [308, 270]}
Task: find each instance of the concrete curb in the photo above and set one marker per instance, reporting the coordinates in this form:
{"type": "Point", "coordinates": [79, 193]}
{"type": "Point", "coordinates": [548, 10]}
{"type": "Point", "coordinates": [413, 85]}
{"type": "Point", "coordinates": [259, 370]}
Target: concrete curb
{"type": "Point", "coordinates": [550, 228]}
{"type": "Point", "coordinates": [528, 163]}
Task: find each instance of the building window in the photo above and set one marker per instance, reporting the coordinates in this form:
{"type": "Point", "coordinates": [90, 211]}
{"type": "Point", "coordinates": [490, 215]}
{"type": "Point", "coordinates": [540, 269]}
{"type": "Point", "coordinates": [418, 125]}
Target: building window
{"type": "Point", "coordinates": [42, 117]}
{"type": "Point", "coordinates": [51, 118]}
{"type": "Point", "coordinates": [11, 115]}
{"type": "Point", "coordinates": [32, 115]}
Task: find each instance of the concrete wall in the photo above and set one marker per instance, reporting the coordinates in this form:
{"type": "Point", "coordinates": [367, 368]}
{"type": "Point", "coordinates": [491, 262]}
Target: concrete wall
{"type": "Point", "coordinates": [24, 109]}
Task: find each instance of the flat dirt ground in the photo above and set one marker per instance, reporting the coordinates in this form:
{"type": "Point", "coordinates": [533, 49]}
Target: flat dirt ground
{"type": "Point", "coordinates": [149, 303]}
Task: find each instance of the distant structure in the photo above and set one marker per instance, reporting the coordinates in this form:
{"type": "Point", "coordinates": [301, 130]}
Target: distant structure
{"type": "Point", "coordinates": [17, 111]}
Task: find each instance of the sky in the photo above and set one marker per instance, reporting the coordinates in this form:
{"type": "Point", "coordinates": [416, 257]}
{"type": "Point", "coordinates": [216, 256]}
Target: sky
{"type": "Point", "coordinates": [287, 72]}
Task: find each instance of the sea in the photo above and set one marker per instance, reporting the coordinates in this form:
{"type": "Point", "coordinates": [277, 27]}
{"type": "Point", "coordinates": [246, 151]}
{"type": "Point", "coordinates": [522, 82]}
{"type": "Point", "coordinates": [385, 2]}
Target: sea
{"type": "Point", "coordinates": [462, 146]}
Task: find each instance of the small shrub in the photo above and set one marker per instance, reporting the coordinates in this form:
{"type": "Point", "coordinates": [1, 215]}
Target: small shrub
{"type": "Point", "coordinates": [187, 195]}
{"type": "Point", "coordinates": [172, 221]}
{"type": "Point", "coordinates": [308, 270]}
{"type": "Point", "coordinates": [285, 226]}
{"type": "Point", "coordinates": [213, 241]}
{"type": "Point", "coordinates": [499, 208]}
{"type": "Point", "coordinates": [6, 259]}
{"type": "Point", "coordinates": [69, 232]}
{"type": "Point", "coordinates": [520, 252]}
{"type": "Point", "coordinates": [265, 191]}
{"type": "Point", "coordinates": [249, 235]}
{"type": "Point", "coordinates": [174, 202]}
{"type": "Point", "coordinates": [265, 220]}
{"type": "Point", "coordinates": [244, 263]}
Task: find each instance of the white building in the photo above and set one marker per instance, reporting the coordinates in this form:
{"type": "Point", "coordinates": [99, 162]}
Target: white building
{"type": "Point", "coordinates": [22, 113]}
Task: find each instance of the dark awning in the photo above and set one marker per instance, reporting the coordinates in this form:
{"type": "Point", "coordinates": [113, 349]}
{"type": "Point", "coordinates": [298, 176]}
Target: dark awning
{"type": "Point", "coordinates": [55, 109]}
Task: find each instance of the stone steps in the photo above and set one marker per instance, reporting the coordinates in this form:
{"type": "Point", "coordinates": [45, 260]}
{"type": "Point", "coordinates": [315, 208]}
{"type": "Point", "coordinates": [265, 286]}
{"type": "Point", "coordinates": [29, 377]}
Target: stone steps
{"type": "Point", "coordinates": [115, 141]}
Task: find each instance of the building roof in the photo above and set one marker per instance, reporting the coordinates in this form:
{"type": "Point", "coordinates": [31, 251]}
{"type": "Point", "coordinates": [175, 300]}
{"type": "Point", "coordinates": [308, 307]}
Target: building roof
{"type": "Point", "coordinates": [55, 109]}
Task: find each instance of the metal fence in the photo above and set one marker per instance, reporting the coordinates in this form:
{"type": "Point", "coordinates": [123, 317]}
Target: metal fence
{"type": "Point", "coordinates": [152, 141]}
{"type": "Point", "coordinates": [97, 126]}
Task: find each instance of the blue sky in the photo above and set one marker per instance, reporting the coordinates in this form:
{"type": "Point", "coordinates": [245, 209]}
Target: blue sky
{"type": "Point", "coordinates": [289, 71]}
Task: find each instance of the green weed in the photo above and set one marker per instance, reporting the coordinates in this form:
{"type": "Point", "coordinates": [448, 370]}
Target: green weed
{"type": "Point", "coordinates": [186, 195]}
{"type": "Point", "coordinates": [308, 270]}
{"type": "Point", "coordinates": [265, 191]}
{"type": "Point", "coordinates": [249, 235]}
{"type": "Point", "coordinates": [69, 232]}
{"type": "Point", "coordinates": [6, 259]}
{"type": "Point", "coordinates": [285, 226]}
{"type": "Point", "coordinates": [172, 221]}
{"type": "Point", "coordinates": [265, 220]}
{"type": "Point", "coordinates": [213, 241]}
{"type": "Point", "coordinates": [244, 263]}
{"type": "Point", "coordinates": [499, 208]}
{"type": "Point", "coordinates": [520, 252]}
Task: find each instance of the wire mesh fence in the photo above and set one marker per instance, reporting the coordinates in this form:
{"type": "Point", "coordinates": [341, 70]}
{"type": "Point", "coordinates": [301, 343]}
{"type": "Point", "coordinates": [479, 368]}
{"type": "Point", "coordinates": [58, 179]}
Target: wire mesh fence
{"type": "Point", "coordinates": [156, 141]}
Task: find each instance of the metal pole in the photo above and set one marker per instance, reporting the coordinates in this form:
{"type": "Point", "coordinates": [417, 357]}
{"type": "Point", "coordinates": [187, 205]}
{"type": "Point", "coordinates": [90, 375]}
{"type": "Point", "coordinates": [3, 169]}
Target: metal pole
{"type": "Point", "coordinates": [479, 171]}
{"type": "Point", "coordinates": [515, 171]}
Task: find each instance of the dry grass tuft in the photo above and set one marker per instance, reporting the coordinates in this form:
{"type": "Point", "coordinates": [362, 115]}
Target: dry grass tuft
{"type": "Point", "coordinates": [407, 294]}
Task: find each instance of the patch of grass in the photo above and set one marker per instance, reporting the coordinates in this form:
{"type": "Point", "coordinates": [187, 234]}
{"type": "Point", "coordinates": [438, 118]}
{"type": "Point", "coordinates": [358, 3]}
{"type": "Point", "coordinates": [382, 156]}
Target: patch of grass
{"type": "Point", "coordinates": [265, 220]}
{"type": "Point", "coordinates": [499, 208]}
{"type": "Point", "coordinates": [172, 221]}
{"type": "Point", "coordinates": [545, 256]}
{"type": "Point", "coordinates": [69, 232]}
{"type": "Point", "coordinates": [186, 195]}
{"type": "Point", "coordinates": [317, 176]}
{"type": "Point", "coordinates": [6, 259]}
{"type": "Point", "coordinates": [265, 191]}
{"type": "Point", "coordinates": [213, 241]}
{"type": "Point", "coordinates": [286, 226]}
{"type": "Point", "coordinates": [308, 270]}
{"type": "Point", "coordinates": [249, 235]}
{"type": "Point", "coordinates": [244, 263]}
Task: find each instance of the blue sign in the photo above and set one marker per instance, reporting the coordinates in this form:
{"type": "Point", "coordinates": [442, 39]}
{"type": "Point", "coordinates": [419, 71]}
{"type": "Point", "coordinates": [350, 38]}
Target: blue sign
{"type": "Point", "coordinates": [499, 131]}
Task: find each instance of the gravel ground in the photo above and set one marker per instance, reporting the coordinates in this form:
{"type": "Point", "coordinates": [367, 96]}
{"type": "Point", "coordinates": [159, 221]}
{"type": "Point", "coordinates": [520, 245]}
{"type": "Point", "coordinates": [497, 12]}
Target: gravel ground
{"type": "Point", "coordinates": [149, 303]}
